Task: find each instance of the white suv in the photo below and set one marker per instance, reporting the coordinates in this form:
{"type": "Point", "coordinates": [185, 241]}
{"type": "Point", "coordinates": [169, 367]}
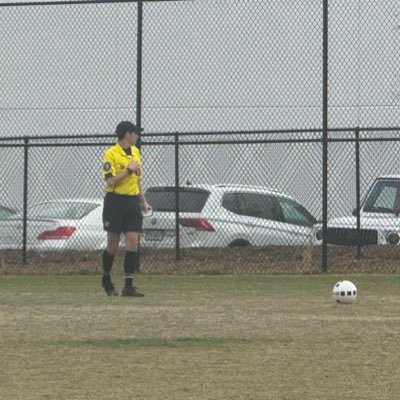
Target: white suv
{"type": "Point", "coordinates": [226, 215]}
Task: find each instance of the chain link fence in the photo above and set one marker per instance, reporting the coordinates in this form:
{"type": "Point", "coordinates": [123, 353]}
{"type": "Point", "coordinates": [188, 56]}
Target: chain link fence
{"type": "Point", "coordinates": [230, 95]}
{"type": "Point", "coordinates": [364, 56]}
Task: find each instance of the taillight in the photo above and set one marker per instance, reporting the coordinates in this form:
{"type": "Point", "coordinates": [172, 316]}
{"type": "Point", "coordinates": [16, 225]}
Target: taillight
{"type": "Point", "coordinates": [198, 223]}
{"type": "Point", "coordinates": [61, 233]}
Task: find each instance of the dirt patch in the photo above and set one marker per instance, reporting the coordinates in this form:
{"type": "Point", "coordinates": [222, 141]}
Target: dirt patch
{"type": "Point", "coordinates": [240, 260]}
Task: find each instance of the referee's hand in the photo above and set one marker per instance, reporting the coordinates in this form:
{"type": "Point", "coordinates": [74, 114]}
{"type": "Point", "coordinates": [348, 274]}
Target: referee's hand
{"type": "Point", "coordinates": [134, 166]}
{"type": "Point", "coordinates": [146, 206]}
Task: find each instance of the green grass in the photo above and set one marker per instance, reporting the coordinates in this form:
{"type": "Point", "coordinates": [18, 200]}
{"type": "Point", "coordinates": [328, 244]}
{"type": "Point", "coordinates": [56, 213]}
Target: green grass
{"type": "Point", "coordinates": [199, 337]}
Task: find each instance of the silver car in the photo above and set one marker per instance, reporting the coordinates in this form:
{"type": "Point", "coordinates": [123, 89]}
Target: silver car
{"type": "Point", "coordinates": [226, 215]}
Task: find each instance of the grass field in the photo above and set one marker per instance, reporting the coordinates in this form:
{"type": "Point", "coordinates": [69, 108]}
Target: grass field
{"type": "Point", "coordinates": [199, 337]}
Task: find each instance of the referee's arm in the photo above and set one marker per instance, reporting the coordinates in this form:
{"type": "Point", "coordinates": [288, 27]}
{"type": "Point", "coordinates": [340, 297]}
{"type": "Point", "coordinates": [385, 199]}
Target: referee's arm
{"type": "Point", "coordinates": [142, 199]}
{"type": "Point", "coordinates": [113, 180]}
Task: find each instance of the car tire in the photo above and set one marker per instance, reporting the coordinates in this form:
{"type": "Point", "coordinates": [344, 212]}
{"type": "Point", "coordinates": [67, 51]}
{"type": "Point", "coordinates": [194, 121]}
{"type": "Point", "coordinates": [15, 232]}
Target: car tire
{"type": "Point", "coordinates": [239, 243]}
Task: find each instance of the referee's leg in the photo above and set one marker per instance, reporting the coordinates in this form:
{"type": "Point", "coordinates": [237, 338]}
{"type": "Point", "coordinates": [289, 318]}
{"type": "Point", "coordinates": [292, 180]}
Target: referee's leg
{"type": "Point", "coordinates": [107, 263]}
{"type": "Point", "coordinates": [131, 264]}
{"type": "Point", "coordinates": [112, 223]}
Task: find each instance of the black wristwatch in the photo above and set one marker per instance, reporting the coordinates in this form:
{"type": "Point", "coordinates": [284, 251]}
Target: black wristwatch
{"type": "Point", "coordinates": [130, 171]}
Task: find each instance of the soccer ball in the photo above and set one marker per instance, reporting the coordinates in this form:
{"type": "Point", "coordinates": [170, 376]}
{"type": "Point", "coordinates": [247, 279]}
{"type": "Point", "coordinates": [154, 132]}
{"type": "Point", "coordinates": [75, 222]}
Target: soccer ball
{"type": "Point", "coordinates": [345, 292]}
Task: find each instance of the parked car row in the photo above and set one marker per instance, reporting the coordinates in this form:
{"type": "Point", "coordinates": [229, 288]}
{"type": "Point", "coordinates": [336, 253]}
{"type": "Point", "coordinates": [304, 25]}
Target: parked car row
{"type": "Point", "coordinates": [209, 216]}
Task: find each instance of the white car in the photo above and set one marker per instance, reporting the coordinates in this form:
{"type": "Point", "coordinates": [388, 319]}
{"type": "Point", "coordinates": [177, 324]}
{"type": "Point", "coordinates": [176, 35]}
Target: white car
{"type": "Point", "coordinates": [57, 225]}
{"type": "Point", "coordinates": [379, 217]}
{"type": "Point", "coordinates": [226, 215]}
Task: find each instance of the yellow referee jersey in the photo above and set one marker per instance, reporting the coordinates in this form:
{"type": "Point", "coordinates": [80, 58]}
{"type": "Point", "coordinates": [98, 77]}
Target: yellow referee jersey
{"type": "Point", "coordinates": [115, 161]}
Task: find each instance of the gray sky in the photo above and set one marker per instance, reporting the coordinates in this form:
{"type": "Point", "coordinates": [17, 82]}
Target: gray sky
{"type": "Point", "coordinates": [207, 66]}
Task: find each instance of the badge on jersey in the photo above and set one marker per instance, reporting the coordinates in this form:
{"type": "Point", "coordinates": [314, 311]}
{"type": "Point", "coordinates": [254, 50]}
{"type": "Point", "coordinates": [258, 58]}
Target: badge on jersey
{"type": "Point", "coordinates": [106, 166]}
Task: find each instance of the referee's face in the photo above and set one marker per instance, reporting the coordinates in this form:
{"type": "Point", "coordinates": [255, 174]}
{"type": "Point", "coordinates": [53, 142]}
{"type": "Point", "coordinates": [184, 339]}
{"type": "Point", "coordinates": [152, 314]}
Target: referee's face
{"type": "Point", "coordinates": [134, 138]}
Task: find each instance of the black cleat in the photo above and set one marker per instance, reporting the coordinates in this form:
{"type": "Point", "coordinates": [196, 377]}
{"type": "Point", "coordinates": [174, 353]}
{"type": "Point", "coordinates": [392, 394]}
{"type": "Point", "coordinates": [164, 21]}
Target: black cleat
{"type": "Point", "coordinates": [131, 292]}
{"type": "Point", "coordinates": [108, 286]}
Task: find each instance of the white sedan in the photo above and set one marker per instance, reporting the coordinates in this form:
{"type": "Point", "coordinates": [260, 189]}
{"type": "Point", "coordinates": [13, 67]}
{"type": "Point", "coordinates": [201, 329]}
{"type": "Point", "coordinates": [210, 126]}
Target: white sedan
{"type": "Point", "coordinates": [57, 225]}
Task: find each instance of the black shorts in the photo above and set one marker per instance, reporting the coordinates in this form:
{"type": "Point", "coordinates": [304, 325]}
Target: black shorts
{"type": "Point", "coordinates": [122, 213]}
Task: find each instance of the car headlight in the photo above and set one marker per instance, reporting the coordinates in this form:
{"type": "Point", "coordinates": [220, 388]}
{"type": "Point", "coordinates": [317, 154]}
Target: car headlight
{"type": "Point", "coordinates": [318, 234]}
{"type": "Point", "coordinates": [393, 238]}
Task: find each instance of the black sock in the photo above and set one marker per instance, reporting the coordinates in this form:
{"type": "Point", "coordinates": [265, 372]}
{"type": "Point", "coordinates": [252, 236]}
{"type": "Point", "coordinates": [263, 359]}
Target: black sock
{"type": "Point", "coordinates": [107, 262]}
{"type": "Point", "coordinates": [130, 266]}
{"type": "Point", "coordinates": [138, 261]}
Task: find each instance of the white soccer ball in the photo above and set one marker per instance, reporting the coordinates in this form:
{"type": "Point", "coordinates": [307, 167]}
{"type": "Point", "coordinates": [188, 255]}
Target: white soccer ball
{"type": "Point", "coordinates": [345, 292]}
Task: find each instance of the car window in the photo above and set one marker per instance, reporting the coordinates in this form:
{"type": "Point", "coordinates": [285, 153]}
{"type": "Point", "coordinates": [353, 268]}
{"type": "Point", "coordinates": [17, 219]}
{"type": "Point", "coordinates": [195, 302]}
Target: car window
{"type": "Point", "coordinates": [6, 212]}
{"type": "Point", "coordinates": [65, 210]}
{"type": "Point", "coordinates": [258, 205]}
{"type": "Point", "coordinates": [383, 197]}
{"type": "Point", "coordinates": [295, 214]}
{"type": "Point", "coordinates": [230, 202]}
{"type": "Point", "coordinates": [162, 199]}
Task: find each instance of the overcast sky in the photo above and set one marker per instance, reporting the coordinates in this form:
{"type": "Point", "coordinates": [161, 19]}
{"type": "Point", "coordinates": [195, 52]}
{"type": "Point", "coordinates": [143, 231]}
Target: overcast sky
{"type": "Point", "coordinates": [207, 66]}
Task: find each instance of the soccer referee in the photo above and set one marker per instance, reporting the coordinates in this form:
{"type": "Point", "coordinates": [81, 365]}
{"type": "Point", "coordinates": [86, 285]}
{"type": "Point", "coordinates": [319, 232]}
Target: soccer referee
{"type": "Point", "coordinates": [122, 171]}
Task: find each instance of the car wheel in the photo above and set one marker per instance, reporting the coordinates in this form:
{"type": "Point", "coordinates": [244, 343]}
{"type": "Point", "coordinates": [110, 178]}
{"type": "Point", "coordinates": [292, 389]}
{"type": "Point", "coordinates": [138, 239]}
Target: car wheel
{"type": "Point", "coordinates": [239, 243]}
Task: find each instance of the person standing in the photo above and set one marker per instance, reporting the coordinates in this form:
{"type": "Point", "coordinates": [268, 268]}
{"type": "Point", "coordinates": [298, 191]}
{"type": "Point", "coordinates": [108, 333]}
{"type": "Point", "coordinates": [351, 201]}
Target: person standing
{"type": "Point", "coordinates": [122, 171]}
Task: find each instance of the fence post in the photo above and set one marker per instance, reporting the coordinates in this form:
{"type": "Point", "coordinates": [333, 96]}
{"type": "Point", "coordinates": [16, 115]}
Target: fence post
{"type": "Point", "coordinates": [177, 244]}
{"type": "Point", "coordinates": [325, 99]}
{"type": "Point", "coordinates": [358, 202]}
{"type": "Point", "coordinates": [139, 64]}
{"type": "Point", "coordinates": [25, 203]}
{"type": "Point", "coordinates": [139, 82]}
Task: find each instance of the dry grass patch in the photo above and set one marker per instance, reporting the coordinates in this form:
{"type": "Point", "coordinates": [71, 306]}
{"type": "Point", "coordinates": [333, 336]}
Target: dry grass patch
{"type": "Point", "coordinates": [289, 260]}
{"type": "Point", "coordinates": [199, 337]}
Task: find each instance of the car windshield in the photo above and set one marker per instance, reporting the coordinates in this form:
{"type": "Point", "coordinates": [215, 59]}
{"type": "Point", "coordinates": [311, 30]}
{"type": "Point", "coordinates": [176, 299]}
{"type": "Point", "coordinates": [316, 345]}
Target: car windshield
{"type": "Point", "coordinates": [61, 210]}
{"type": "Point", "coordinates": [384, 198]}
{"type": "Point", "coordinates": [162, 199]}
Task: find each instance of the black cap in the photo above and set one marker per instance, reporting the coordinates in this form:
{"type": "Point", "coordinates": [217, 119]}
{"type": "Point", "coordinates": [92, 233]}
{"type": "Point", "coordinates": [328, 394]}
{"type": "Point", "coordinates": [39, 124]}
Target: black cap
{"type": "Point", "coordinates": [126, 126]}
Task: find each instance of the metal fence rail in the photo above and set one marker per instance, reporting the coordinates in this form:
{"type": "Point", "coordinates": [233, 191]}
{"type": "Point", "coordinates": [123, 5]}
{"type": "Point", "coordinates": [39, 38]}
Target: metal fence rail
{"type": "Point", "coordinates": [170, 161]}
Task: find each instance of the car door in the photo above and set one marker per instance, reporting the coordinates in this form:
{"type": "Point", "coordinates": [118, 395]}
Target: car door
{"type": "Point", "coordinates": [262, 217]}
{"type": "Point", "coordinates": [275, 221]}
{"type": "Point", "coordinates": [232, 223]}
{"type": "Point", "coordinates": [297, 222]}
